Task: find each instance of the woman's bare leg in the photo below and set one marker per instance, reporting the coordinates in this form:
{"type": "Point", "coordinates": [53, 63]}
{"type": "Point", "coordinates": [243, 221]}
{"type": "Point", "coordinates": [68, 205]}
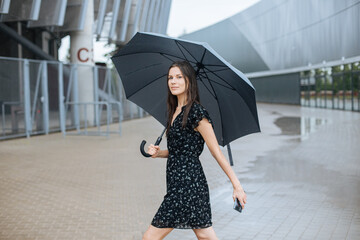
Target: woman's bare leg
{"type": "Point", "coordinates": [154, 233]}
{"type": "Point", "coordinates": [205, 233]}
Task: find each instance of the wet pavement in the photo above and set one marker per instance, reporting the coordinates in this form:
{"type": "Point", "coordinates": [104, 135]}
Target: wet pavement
{"type": "Point", "coordinates": [304, 183]}
{"type": "Point", "coordinates": [301, 174]}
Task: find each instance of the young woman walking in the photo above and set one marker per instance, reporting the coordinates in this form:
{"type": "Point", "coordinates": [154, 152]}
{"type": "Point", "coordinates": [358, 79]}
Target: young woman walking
{"type": "Point", "coordinates": [186, 204]}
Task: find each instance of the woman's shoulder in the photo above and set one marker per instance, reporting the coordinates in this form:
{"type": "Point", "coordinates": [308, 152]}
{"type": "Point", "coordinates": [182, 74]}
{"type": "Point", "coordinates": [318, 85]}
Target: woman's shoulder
{"type": "Point", "coordinates": [196, 106]}
{"type": "Point", "coordinates": [197, 113]}
{"type": "Point", "coordinates": [196, 109]}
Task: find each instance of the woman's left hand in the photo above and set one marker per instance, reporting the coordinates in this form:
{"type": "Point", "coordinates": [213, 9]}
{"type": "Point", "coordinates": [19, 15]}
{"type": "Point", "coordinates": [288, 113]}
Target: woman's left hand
{"type": "Point", "coordinates": [240, 194]}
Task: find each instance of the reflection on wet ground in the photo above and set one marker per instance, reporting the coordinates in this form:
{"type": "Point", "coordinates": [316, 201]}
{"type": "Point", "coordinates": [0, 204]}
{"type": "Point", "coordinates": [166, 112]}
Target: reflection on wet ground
{"type": "Point", "coordinates": [295, 169]}
{"type": "Point", "coordinates": [281, 166]}
{"type": "Point", "coordinates": [301, 126]}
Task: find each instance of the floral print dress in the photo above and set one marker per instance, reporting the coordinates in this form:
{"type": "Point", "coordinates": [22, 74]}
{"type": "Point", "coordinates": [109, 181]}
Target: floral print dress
{"type": "Point", "coordinates": [186, 204]}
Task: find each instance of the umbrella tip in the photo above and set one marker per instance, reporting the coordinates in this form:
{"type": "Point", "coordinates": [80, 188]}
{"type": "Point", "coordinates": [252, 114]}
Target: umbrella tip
{"type": "Point", "coordinates": [199, 66]}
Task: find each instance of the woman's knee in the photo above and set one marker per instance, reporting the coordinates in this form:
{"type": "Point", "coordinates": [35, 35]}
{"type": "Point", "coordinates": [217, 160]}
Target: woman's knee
{"type": "Point", "coordinates": [154, 233]}
{"type": "Point", "coordinates": [205, 234]}
{"type": "Point", "coordinates": [147, 236]}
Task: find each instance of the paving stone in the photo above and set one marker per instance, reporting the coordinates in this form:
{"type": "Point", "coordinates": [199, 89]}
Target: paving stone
{"type": "Point", "coordinates": [299, 186]}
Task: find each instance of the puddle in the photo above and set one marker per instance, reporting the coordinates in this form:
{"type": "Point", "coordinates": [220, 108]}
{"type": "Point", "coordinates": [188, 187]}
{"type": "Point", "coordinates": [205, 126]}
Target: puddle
{"type": "Point", "coordinates": [294, 174]}
{"type": "Point", "coordinates": [301, 126]}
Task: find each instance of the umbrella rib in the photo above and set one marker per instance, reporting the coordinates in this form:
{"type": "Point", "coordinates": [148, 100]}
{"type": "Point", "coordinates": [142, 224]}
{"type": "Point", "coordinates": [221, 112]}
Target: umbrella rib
{"type": "Point", "coordinates": [222, 129]}
{"type": "Point", "coordinates": [216, 65]}
{"type": "Point", "coordinates": [165, 55]}
{"type": "Point", "coordinates": [229, 87]}
{"type": "Point", "coordinates": [142, 68]}
{"type": "Point", "coordinates": [219, 70]}
{"type": "Point", "coordinates": [200, 65]}
{"type": "Point", "coordinates": [207, 88]}
{"type": "Point", "coordinates": [218, 76]}
{"type": "Point", "coordinates": [178, 43]}
{"type": "Point", "coordinates": [202, 58]}
{"type": "Point", "coordinates": [146, 85]}
{"type": "Point", "coordinates": [128, 54]}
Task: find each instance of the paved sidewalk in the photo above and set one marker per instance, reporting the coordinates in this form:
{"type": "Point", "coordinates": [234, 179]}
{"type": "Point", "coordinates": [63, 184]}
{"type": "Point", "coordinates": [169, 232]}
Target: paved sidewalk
{"type": "Point", "coordinates": [301, 173]}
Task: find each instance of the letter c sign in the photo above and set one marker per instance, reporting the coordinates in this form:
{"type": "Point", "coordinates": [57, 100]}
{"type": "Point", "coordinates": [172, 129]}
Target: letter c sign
{"type": "Point", "coordinates": [80, 55]}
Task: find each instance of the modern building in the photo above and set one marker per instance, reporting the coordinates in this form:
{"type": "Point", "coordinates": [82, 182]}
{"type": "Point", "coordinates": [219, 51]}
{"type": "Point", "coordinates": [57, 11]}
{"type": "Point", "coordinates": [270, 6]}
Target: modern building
{"type": "Point", "coordinates": [34, 28]}
{"type": "Point", "coordinates": [283, 34]}
{"type": "Point", "coordinates": [38, 93]}
{"type": "Point", "coordinates": [294, 51]}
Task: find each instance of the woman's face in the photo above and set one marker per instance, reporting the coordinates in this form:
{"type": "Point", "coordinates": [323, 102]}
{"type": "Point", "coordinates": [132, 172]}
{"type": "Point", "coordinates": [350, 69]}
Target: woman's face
{"type": "Point", "coordinates": [176, 81]}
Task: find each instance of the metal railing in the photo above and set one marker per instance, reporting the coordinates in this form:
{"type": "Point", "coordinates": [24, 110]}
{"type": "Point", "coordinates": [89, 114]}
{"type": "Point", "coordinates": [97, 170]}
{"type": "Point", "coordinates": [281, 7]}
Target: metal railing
{"type": "Point", "coordinates": [97, 124]}
{"type": "Point", "coordinates": [332, 85]}
{"type": "Point", "coordinates": [335, 87]}
{"type": "Point", "coordinates": [38, 97]}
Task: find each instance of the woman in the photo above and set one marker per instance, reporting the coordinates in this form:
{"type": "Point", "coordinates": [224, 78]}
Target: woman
{"type": "Point", "coordinates": [186, 204]}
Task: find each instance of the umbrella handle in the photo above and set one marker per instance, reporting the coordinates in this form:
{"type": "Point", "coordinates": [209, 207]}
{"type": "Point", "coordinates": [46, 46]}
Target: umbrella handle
{"type": "Point", "coordinates": [142, 147]}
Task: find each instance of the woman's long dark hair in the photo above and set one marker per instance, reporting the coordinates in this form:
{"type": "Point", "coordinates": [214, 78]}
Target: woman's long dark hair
{"type": "Point", "coordinates": [192, 93]}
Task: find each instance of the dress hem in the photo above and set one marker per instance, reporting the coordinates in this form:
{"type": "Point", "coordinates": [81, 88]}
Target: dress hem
{"type": "Point", "coordinates": [191, 227]}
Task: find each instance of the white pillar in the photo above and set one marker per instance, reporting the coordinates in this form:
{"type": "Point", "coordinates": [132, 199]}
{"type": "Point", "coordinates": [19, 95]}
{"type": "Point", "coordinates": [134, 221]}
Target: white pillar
{"type": "Point", "coordinates": [81, 51]}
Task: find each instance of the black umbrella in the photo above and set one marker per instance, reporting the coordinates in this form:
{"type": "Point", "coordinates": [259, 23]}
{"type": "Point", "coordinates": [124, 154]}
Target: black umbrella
{"type": "Point", "coordinates": [224, 91]}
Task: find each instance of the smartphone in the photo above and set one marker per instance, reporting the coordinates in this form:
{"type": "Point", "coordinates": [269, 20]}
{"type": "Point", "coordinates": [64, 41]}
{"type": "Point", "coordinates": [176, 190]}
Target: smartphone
{"type": "Point", "coordinates": [237, 205]}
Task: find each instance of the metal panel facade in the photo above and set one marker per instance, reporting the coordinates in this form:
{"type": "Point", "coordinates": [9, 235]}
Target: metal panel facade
{"type": "Point", "coordinates": [115, 20]}
{"type": "Point", "coordinates": [278, 88]}
{"type": "Point", "coordinates": [52, 13]}
{"type": "Point", "coordinates": [281, 34]}
{"type": "Point", "coordinates": [75, 15]}
{"type": "Point", "coordinates": [22, 10]}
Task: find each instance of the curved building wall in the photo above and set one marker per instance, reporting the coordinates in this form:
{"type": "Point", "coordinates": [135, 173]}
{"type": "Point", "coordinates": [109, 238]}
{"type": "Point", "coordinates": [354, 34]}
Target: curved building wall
{"type": "Point", "coordinates": [281, 34]}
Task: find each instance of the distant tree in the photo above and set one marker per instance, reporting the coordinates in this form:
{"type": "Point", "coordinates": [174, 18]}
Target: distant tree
{"type": "Point", "coordinates": [356, 76]}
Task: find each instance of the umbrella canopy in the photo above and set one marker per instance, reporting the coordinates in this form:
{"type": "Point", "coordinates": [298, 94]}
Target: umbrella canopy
{"type": "Point", "coordinates": [224, 91]}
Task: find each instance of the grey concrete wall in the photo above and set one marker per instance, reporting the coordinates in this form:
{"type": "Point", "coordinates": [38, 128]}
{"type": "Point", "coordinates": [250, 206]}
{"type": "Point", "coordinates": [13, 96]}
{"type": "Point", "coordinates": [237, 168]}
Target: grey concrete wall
{"type": "Point", "coordinates": [283, 88]}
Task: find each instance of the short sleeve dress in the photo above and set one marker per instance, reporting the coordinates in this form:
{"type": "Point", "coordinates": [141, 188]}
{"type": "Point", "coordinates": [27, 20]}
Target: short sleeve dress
{"type": "Point", "coordinates": [186, 204]}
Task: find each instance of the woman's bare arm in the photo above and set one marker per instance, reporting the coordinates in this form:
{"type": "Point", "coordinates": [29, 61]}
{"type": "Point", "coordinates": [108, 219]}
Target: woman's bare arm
{"type": "Point", "coordinates": [163, 154]}
{"type": "Point", "coordinates": [208, 134]}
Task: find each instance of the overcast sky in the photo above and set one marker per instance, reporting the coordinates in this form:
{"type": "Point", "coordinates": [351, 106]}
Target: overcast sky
{"type": "Point", "coordinates": [191, 15]}
{"type": "Point", "coordinates": [185, 16]}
